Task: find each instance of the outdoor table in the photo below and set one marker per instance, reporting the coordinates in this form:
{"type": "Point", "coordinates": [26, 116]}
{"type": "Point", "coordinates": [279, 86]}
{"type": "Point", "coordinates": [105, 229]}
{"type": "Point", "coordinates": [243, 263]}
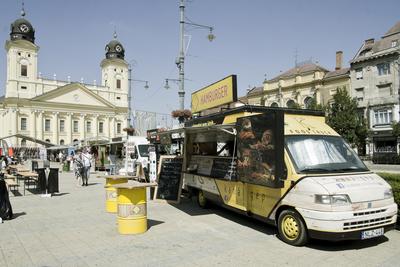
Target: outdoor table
{"type": "Point", "coordinates": [111, 192]}
{"type": "Point", "coordinates": [18, 168]}
{"type": "Point", "coordinates": [27, 176]}
{"type": "Point", "coordinates": [132, 207]}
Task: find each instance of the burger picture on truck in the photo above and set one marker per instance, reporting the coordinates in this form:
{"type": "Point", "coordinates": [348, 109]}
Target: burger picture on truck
{"type": "Point", "coordinates": [289, 168]}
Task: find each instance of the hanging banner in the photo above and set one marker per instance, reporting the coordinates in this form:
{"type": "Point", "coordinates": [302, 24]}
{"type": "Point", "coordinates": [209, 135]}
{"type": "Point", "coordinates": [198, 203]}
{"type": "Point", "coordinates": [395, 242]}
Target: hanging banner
{"type": "Point", "coordinates": [216, 94]}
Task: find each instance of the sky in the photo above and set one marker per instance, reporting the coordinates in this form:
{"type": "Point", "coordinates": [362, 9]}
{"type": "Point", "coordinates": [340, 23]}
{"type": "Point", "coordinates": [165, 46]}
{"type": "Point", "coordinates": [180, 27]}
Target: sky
{"type": "Point", "coordinates": [254, 39]}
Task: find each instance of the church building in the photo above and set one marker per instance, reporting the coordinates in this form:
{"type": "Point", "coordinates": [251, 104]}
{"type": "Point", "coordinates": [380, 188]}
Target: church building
{"type": "Point", "coordinates": [60, 112]}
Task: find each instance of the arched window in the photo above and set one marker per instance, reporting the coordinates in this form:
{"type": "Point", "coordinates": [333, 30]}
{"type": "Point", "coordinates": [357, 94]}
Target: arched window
{"type": "Point", "coordinates": [47, 140]}
{"type": "Point", "coordinates": [274, 105]}
{"type": "Point", "coordinates": [75, 142]}
{"type": "Point", "coordinates": [23, 142]}
{"type": "Point", "coordinates": [62, 142]}
{"type": "Point", "coordinates": [307, 102]}
{"type": "Point", "coordinates": [291, 104]}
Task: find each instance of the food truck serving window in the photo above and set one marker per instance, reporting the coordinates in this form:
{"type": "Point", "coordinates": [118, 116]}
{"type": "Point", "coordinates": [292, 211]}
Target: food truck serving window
{"type": "Point", "coordinates": [260, 146]}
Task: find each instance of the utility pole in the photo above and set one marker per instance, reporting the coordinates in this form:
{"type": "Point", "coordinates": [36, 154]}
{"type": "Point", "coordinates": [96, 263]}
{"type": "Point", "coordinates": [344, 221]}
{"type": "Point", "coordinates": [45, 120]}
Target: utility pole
{"type": "Point", "coordinates": [181, 60]}
{"type": "Point", "coordinates": [129, 95]}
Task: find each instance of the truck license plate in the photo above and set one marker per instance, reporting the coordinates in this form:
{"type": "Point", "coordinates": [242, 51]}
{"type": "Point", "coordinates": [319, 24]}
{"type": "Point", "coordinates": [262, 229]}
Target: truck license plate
{"type": "Point", "coordinates": [372, 233]}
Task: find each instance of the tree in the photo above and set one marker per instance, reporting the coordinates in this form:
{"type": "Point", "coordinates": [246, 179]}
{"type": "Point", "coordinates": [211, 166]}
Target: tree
{"type": "Point", "coordinates": [396, 129]}
{"type": "Point", "coordinates": [344, 118]}
{"type": "Point", "coordinates": [314, 106]}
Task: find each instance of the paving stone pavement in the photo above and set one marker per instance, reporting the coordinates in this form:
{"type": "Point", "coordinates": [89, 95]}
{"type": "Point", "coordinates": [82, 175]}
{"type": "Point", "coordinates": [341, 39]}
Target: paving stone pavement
{"type": "Point", "coordinates": [73, 229]}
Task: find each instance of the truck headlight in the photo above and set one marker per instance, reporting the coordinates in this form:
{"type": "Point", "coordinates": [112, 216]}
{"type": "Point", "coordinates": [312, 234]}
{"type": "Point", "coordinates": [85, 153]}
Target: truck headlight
{"type": "Point", "coordinates": [388, 193]}
{"type": "Point", "coordinates": [332, 199]}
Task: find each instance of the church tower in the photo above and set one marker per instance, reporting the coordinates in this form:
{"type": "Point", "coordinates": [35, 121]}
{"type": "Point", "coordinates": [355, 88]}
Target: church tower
{"type": "Point", "coordinates": [21, 59]}
{"type": "Point", "coordinates": [114, 73]}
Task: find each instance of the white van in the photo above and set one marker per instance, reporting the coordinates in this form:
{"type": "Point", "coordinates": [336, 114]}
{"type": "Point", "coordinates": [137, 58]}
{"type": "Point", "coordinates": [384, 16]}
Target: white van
{"type": "Point", "coordinates": [288, 168]}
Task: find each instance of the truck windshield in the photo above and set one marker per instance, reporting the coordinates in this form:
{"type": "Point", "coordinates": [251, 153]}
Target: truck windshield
{"type": "Point", "coordinates": [144, 150]}
{"type": "Point", "coordinates": [322, 154]}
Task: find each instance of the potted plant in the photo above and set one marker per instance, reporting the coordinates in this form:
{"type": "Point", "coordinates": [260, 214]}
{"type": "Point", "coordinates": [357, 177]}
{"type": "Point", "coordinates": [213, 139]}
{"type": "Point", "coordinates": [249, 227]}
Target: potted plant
{"type": "Point", "coordinates": [130, 130]}
{"type": "Point", "coordinates": [182, 115]}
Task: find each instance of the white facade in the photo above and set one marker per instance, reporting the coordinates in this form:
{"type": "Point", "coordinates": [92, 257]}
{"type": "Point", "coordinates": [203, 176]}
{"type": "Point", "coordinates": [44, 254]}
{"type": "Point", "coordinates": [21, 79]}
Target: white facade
{"type": "Point", "coordinates": [60, 112]}
{"type": "Point", "coordinates": [375, 78]}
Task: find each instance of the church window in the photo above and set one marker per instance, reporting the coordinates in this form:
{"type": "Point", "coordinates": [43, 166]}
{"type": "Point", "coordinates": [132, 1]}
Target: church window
{"type": "Point", "coordinates": [118, 98]}
{"type": "Point", "coordinates": [88, 126]}
{"type": "Point", "coordinates": [62, 125]}
{"type": "Point", "coordinates": [118, 128]}
{"type": "Point", "coordinates": [62, 142]}
{"type": "Point", "coordinates": [23, 124]}
{"type": "Point", "coordinates": [24, 70]}
{"type": "Point", "coordinates": [23, 142]}
{"type": "Point", "coordinates": [101, 127]}
{"type": "Point", "coordinates": [118, 84]}
{"type": "Point", "coordinates": [23, 87]}
{"type": "Point", "coordinates": [76, 124]}
{"type": "Point", "coordinates": [47, 125]}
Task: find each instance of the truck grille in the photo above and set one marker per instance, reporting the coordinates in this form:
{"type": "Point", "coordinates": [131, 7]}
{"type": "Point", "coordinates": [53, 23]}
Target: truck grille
{"type": "Point", "coordinates": [367, 223]}
{"type": "Point", "coordinates": [368, 212]}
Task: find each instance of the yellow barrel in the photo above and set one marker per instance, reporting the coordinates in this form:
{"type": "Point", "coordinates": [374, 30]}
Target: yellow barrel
{"type": "Point", "coordinates": [111, 193]}
{"type": "Point", "coordinates": [132, 210]}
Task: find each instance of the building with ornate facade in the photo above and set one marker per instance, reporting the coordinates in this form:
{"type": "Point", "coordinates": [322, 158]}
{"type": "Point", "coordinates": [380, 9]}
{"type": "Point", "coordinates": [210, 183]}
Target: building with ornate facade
{"type": "Point", "coordinates": [60, 112]}
{"type": "Point", "coordinates": [375, 84]}
{"type": "Point", "coordinates": [300, 85]}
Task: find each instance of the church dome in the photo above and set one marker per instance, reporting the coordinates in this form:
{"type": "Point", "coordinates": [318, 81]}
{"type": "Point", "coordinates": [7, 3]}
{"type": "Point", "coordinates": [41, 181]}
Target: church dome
{"type": "Point", "coordinates": [21, 29]}
{"type": "Point", "coordinates": [114, 49]}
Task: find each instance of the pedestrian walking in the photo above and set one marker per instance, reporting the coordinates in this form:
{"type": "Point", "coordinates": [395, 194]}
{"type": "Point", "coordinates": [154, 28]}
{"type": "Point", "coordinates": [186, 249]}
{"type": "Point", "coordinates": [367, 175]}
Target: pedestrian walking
{"type": "Point", "coordinates": [86, 160]}
{"type": "Point", "coordinates": [78, 167]}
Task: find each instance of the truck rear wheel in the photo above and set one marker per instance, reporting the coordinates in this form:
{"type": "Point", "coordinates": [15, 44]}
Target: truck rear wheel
{"type": "Point", "coordinates": [291, 228]}
{"type": "Point", "coordinates": [201, 199]}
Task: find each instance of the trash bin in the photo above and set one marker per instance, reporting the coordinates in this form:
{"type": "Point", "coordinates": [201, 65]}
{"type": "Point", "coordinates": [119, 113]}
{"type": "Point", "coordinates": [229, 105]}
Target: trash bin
{"type": "Point", "coordinates": [111, 192]}
{"type": "Point", "coordinates": [132, 207]}
{"type": "Point", "coordinates": [66, 167]}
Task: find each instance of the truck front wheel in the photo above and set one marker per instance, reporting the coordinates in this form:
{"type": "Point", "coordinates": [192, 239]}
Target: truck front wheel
{"type": "Point", "coordinates": [291, 228]}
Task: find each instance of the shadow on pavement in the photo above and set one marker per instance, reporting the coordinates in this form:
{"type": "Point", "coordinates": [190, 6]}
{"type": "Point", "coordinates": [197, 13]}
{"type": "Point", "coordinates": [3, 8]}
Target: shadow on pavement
{"type": "Point", "coordinates": [151, 223]}
{"type": "Point", "coordinates": [18, 214]}
{"type": "Point", "coordinates": [60, 194]}
{"type": "Point", "coordinates": [15, 193]}
{"type": "Point", "coordinates": [190, 207]}
{"type": "Point", "coordinates": [346, 245]}
{"type": "Point", "coordinates": [90, 184]}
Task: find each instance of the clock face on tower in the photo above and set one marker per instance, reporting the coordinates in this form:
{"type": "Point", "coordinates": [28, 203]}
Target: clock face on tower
{"type": "Point", "coordinates": [24, 28]}
{"type": "Point", "coordinates": [118, 48]}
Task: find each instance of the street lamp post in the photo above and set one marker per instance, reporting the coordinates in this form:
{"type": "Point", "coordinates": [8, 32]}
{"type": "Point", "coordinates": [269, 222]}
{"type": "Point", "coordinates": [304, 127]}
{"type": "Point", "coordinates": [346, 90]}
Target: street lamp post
{"type": "Point", "coordinates": [181, 60]}
{"type": "Point", "coordinates": [129, 128]}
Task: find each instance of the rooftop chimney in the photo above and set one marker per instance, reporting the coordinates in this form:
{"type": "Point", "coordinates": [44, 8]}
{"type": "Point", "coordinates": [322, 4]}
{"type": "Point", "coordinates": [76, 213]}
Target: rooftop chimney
{"type": "Point", "coordinates": [369, 41]}
{"type": "Point", "coordinates": [339, 59]}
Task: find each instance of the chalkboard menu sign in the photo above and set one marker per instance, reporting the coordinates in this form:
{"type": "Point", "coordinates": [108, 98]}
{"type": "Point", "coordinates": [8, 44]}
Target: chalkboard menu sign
{"type": "Point", "coordinates": [169, 179]}
{"type": "Point", "coordinates": [224, 168]}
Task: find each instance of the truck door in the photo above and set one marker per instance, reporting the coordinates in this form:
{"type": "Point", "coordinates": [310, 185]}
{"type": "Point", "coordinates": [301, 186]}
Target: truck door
{"type": "Point", "coordinates": [260, 160]}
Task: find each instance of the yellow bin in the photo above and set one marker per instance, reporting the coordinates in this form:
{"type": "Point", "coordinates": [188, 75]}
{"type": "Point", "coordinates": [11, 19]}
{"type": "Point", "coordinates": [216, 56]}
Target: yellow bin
{"type": "Point", "coordinates": [132, 208]}
{"type": "Point", "coordinates": [111, 193]}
